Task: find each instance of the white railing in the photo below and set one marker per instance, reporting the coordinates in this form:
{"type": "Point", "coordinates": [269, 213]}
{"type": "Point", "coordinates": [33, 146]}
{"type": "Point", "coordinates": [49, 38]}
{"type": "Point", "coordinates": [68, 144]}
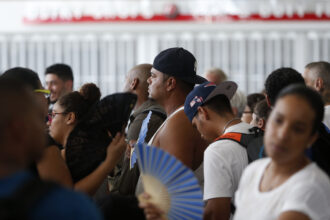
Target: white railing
{"type": "Point", "coordinates": [247, 56]}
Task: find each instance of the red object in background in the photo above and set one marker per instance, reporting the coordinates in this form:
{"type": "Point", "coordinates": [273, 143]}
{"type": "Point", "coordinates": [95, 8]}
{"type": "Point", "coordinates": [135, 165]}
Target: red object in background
{"type": "Point", "coordinates": [171, 11]}
{"type": "Point", "coordinates": [172, 14]}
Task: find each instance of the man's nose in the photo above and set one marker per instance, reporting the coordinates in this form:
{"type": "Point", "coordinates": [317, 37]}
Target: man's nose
{"type": "Point", "coordinates": [48, 86]}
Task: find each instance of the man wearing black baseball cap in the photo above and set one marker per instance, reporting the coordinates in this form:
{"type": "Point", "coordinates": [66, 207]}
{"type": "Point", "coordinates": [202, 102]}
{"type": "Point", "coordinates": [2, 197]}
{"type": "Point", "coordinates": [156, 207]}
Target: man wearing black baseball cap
{"type": "Point", "coordinates": [173, 76]}
{"type": "Point", "coordinates": [179, 63]}
{"type": "Point", "coordinates": [208, 108]}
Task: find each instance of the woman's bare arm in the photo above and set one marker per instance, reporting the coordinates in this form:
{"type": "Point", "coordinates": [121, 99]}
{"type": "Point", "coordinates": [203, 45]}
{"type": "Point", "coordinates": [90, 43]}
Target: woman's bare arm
{"type": "Point", "coordinates": [52, 167]}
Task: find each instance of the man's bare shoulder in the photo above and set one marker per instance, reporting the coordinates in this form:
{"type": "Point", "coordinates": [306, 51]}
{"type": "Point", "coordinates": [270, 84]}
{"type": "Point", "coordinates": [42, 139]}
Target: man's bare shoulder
{"type": "Point", "coordinates": [179, 125]}
{"type": "Point", "coordinates": [179, 120]}
{"type": "Point", "coordinates": [180, 139]}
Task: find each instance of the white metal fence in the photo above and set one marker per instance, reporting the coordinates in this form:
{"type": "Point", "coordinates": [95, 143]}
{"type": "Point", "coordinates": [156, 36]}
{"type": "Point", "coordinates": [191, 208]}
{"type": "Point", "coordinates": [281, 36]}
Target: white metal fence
{"type": "Point", "coordinates": [246, 56]}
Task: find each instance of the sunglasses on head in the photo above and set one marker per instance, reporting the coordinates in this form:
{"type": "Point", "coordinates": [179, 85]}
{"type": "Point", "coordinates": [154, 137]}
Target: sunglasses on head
{"type": "Point", "coordinates": [45, 92]}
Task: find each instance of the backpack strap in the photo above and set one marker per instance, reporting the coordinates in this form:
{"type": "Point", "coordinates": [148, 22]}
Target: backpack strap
{"type": "Point", "coordinates": [262, 152]}
{"type": "Point", "coordinates": [243, 140]}
{"type": "Point", "coordinates": [234, 136]}
{"type": "Point", "coordinates": [18, 205]}
{"type": "Point", "coordinates": [253, 143]}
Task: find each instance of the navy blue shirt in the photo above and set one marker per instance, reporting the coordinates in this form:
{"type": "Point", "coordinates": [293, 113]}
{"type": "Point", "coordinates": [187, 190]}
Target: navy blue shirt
{"type": "Point", "coordinates": [59, 203]}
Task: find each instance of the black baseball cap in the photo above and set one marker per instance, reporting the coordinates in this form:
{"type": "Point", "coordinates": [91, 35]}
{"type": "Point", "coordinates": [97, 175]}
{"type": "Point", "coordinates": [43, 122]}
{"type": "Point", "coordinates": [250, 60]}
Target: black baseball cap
{"type": "Point", "coordinates": [179, 63]}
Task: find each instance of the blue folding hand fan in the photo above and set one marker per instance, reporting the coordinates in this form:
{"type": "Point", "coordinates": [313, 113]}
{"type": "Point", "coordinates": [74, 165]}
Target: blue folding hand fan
{"type": "Point", "coordinates": [141, 139]}
{"type": "Point", "coordinates": [172, 186]}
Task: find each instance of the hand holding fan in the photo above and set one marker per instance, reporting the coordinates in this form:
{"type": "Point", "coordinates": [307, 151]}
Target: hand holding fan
{"type": "Point", "coordinates": [87, 143]}
{"type": "Point", "coordinates": [172, 186]}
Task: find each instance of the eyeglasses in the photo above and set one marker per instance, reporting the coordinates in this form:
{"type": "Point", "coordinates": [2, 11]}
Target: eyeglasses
{"type": "Point", "coordinates": [53, 114]}
{"type": "Point", "coordinates": [45, 92]}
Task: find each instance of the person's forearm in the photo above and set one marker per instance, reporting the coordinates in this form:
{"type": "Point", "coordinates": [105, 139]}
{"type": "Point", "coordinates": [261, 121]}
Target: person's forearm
{"type": "Point", "coordinates": [216, 216]}
{"type": "Point", "coordinates": [92, 182]}
{"type": "Point", "coordinates": [52, 167]}
{"type": "Point", "coordinates": [217, 209]}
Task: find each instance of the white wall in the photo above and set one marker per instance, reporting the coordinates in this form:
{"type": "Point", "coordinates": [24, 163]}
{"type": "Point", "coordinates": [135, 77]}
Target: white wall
{"type": "Point", "coordinates": [104, 52]}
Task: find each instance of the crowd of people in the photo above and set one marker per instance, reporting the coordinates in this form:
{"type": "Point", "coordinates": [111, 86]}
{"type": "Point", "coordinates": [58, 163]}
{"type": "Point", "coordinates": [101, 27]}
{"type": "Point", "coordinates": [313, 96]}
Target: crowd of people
{"type": "Point", "coordinates": [67, 154]}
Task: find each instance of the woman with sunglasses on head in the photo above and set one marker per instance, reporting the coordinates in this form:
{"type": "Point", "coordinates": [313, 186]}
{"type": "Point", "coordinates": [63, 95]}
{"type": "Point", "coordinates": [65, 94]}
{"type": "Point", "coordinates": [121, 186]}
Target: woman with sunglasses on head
{"type": "Point", "coordinates": [287, 185]}
{"type": "Point", "coordinates": [51, 165]}
{"type": "Point", "coordinates": [91, 132]}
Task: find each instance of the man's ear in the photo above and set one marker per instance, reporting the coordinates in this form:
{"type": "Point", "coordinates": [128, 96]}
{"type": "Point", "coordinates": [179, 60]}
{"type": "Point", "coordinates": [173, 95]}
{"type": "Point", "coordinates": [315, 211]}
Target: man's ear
{"type": "Point", "coordinates": [68, 85]}
{"type": "Point", "coordinates": [170, 84]}
{"type": "Point", "coordinates": [134, 84]}
{"type": "Point", "coordinates": [71, 118]}
{"type": "Point", "coordinates": [261, 123]}
{"type": "Point", "coordinates": [319, 84]}
{"type": "Point", "coordinates": [203, 113]}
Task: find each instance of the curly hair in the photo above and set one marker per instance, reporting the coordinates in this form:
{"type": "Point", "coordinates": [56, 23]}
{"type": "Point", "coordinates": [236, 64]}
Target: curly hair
{"type": "Point", "coordinates": [279, 79]}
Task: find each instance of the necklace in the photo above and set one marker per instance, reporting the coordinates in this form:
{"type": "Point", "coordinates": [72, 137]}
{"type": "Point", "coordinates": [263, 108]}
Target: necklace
{"type": "Point", "coordinates": [228, 123]}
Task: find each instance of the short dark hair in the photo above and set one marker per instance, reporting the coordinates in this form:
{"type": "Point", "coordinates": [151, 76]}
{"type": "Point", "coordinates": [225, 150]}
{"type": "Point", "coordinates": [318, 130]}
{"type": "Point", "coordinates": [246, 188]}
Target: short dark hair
{"type": "Point", "coordinates": [63, 71]}
{"type": "Point", "coordinates": [219, 104]}
{"type": "Point", "coordinates": [279, 79]}
{"type": "Point", "coordinates": [311, 97]}
{"type": "Point", "coordinates": [253, 99]}
{"type": "Point", "coordinates": [262, 110]}
{"type": "Point", "coordinates": [26, 76]}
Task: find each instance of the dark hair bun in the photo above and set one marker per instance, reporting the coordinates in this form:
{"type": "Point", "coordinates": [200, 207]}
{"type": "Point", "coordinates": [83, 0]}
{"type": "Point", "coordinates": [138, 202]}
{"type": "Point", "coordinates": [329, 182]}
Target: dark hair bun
{"type": "Point", "coordinates": [90, 92]}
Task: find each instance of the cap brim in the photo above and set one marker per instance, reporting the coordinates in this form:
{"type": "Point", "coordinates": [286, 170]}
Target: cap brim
{"type": "Point", "coordinates": [227, 88]}
{"type": "Point", "coordinates": [194, 80]}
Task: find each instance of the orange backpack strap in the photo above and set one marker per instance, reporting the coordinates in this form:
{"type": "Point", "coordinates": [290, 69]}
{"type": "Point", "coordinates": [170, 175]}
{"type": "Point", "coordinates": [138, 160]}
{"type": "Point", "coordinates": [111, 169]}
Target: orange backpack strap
{"type": "Point", "coordinates": [253, 142]}
{"type": "Point", "coordinates": [231, 136]}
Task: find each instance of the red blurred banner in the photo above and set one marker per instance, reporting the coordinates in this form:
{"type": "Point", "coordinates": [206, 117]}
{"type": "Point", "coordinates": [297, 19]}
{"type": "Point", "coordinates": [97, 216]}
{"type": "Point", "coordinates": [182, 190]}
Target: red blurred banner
{"type": "Point", "coordinates": [181, 18]}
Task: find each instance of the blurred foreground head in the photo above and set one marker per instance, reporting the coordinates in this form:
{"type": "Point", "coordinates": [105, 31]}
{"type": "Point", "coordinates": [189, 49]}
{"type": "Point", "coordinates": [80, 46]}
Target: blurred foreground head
{"type": "Point", "coordinates": [293, 124]}
{"type": "Point", "coordinates": [22, 138]}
